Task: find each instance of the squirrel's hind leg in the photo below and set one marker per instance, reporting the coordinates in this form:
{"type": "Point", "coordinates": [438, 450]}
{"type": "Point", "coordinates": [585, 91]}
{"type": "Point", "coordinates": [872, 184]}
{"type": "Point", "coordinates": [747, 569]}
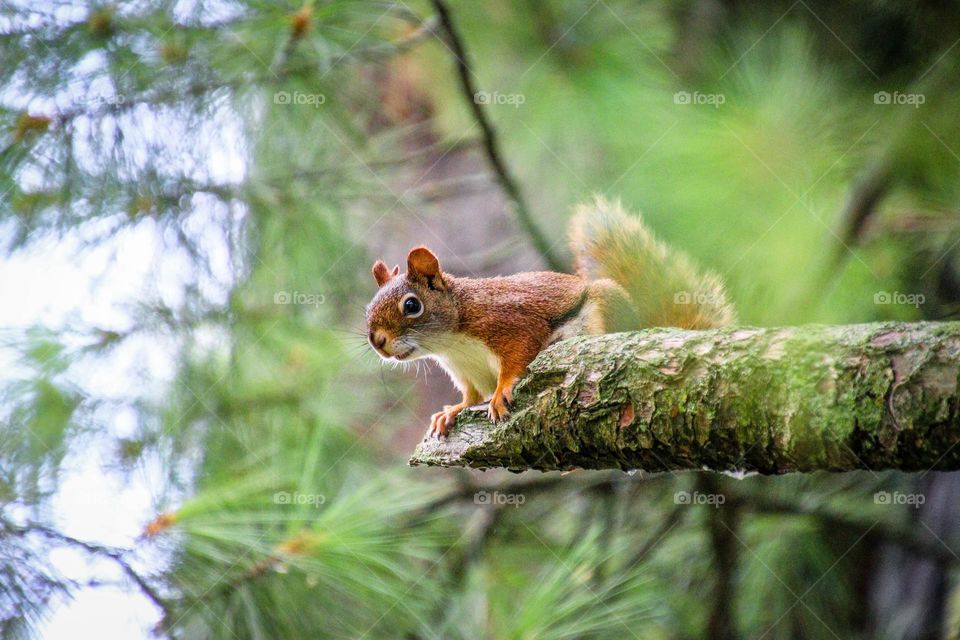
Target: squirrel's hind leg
{"type": "Point", "coordinates": [499, 407]}
{"type": "Point", "coordinates": [515, 357]}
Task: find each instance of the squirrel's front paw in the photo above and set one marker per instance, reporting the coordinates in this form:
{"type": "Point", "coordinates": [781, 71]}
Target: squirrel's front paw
{"type": "Point", "coordinates": [441, 421]}
{"type": "Point", "coordinates": [499, 407]}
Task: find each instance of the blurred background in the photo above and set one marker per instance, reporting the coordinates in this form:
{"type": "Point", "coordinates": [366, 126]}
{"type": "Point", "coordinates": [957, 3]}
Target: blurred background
{"type": "Point", "coordinates": [196, 440]}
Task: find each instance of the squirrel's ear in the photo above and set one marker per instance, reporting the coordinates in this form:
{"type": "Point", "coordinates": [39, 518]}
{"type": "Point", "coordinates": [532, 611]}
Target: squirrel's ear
{"type": "Point", "coordinates": [381, 274]}
{"type": "Point", "coordinates": [421, 263]}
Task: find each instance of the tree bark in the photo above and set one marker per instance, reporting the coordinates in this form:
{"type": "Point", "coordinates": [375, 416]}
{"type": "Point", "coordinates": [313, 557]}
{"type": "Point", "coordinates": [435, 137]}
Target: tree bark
{"type": "Point", "coordinates": [774, 400]}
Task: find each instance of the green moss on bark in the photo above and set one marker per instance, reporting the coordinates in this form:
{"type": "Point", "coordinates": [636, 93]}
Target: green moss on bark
{"type": "Point", "coordinates": [877, 396]}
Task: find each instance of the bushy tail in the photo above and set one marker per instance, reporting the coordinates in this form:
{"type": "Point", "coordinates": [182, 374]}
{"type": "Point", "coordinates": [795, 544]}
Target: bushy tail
{"type": "Point", "coordinates": [664, 287]}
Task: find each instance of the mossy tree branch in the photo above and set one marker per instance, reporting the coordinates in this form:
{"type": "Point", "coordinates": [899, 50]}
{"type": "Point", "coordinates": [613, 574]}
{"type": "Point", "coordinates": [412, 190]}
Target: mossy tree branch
{"type": "Point", "coordinates": [775, 400]}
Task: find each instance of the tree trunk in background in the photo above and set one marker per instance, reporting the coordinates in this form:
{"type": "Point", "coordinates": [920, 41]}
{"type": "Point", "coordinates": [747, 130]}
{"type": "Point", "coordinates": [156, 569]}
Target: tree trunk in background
{"type": "Point", "coordinates": [776, 400]}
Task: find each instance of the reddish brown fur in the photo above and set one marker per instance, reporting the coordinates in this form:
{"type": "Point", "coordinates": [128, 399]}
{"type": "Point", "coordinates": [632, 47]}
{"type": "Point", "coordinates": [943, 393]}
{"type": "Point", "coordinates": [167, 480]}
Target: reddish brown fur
{"type": "Point", "coordinates": [512, 315]}
{"type": "Point", "coordinates": [477, 326]}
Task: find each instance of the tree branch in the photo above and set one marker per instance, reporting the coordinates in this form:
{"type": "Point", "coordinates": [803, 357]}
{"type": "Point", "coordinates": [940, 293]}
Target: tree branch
{"type": "Point", "coordinates": [491, 143]}
{"type": "Point", "coordinates": [838, 398]}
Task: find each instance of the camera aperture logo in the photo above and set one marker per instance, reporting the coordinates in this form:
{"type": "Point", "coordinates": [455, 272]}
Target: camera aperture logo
{"type": "Point", "coordinates": [297, 498]}
{"type": "Point", "coordinates": [299, 98]}
{"type": "Point", "coordinates": [298, 297]}
{"type": "Point", "coordinates": [497, 498]}
{"type": "Point", "coordinates": [696, 498]}
{"type": "Point", "coordinates": [898, 498]}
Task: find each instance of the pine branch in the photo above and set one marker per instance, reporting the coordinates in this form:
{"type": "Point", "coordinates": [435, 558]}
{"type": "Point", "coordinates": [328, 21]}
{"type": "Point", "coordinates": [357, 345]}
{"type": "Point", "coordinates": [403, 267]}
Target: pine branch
{"type": "Point", "coordinates": [779, 400]}
{"type": "Point", "coordinates": [174, 94]}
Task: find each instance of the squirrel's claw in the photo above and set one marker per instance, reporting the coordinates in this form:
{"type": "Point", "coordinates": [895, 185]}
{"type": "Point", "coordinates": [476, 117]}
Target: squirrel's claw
{"type": "Point", "coordinates": [441, 421]}
{"type": "Point", "coordinates": [438, 425]}
{"type": "Point", "coordinates": [499, 408]}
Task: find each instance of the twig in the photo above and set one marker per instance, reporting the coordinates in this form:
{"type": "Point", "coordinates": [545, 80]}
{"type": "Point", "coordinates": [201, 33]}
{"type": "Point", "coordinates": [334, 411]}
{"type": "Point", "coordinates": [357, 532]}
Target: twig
{"type": "Point", "coordinates": [881, 175]}
{"type": "Point", "coordinates": [870, 189]}
{"type": "Point", "coordinates": [491, 143]}
{"type": "Point", "coordinates": [673, 519]}
{"type": "Point", "coordinates": [114, 554]}
{"type": "Point", "coordinates": [884, 532]}
{"type": "Point", "coordinates": [721, 527]}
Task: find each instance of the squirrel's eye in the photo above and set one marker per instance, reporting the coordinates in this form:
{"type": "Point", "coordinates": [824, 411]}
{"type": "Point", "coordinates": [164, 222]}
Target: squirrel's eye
{"type": "Point", "coordinates": [411, 306]}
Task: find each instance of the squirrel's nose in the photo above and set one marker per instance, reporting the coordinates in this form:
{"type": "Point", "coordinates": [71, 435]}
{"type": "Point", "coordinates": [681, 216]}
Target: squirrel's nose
{"type": "Point", "coordinates": [378, 339]}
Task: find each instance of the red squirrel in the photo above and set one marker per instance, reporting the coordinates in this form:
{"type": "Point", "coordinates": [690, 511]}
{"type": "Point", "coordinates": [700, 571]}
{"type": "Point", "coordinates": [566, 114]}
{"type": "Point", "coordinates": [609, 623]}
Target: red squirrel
{"type": "Point", "coordinates": [485, 331]}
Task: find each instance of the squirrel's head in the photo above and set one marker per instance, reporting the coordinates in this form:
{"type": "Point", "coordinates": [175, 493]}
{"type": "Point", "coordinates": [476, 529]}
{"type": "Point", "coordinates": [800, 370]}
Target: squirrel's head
{"type": "Point", "coordinates": [410, 311]}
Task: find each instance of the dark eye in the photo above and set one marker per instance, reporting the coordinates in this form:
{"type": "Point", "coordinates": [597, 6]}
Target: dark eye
{"type": "Point", "coordinates": [411, 306]}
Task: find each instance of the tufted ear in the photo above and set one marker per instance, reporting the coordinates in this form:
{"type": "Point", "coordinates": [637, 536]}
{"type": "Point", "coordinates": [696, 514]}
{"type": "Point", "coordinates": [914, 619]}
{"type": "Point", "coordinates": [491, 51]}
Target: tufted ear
{"type": "Point", "coordinates": [381, 274]}
{"type": "Point", "coordinates": [422, 264]}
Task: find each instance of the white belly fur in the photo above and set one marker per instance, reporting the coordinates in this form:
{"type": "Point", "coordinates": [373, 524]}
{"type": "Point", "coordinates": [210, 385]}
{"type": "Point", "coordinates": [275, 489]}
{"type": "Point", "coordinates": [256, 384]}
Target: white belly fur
{"type": "Point", "coordinates": [468, 360]}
